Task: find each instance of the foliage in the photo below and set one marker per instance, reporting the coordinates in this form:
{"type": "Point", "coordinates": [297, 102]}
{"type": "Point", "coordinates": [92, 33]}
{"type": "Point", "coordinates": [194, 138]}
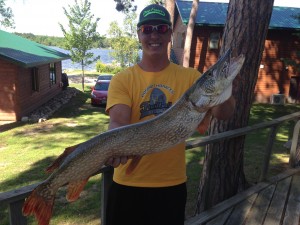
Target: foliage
{"type": "Point", "coordinates": [292, 62]}
{"type": "Point", "coordinates": [159, 2]}
{"type": "Point", "coordinates": [101, 42]}
{"type": "Point", "coordinates": [128, 5]}
{"type": "Point", "coordinates": [6, 15]}
{"type": "Point", "coordinates": [125, 6]}
{"type": "Point", "coordinates": [106, 68]}
{"type": "Point", "coordinates": [124, 43]}
{"type": "Point", "coordinates": [82, 34]}
{"type": "Point", "coordinates": [43, 39]}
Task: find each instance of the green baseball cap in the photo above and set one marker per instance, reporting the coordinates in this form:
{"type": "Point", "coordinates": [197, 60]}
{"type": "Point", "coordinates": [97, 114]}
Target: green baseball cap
{"type": "Point", "coordinates": [154, 12]}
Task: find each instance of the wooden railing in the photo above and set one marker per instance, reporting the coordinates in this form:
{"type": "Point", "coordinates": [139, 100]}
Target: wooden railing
{"type": "Point", "coordinates": [14, 199]}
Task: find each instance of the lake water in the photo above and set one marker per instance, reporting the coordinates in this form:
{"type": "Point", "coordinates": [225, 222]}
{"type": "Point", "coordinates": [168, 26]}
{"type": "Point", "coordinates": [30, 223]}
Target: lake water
{"type": "Point", "coordinates": [103, 53]}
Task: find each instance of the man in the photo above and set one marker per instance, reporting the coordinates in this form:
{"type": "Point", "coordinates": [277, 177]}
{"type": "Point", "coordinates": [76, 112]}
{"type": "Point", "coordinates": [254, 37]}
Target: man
{"type": "Point", "coordinates": [154, 190]}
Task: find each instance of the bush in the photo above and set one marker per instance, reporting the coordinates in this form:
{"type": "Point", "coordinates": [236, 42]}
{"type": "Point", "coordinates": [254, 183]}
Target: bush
{"type": "Point", "coordinates": [100, 67]}
{"type": "Point", "coordinates": [107, 68]}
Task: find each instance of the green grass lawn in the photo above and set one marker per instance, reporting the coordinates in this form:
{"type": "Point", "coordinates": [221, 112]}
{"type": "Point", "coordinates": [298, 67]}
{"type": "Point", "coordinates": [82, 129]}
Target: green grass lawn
{"type": "Point", "coordinates": [27, 149]}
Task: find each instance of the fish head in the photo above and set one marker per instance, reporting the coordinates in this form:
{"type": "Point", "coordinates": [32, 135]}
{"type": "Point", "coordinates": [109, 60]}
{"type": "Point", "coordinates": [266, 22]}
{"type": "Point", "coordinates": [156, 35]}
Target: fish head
{"type": "Point", "coordinates": [215, 85]}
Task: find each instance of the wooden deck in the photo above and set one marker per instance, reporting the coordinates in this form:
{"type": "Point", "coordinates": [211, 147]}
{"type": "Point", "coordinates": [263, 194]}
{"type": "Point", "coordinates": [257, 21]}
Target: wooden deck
{"type": "Point", "coordinates": [267, 203]}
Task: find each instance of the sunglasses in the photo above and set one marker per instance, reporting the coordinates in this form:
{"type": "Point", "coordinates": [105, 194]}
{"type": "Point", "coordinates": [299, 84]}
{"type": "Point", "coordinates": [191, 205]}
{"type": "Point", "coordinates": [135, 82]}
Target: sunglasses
{"type": "Point", "coordinates": [160, 28]}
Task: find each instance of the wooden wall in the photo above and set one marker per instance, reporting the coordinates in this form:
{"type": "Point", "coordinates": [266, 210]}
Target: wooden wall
{"type": "Point", "coordinates": [274, 76]}
{"type": "Point", "coordinates": [7, 91]}
{"type": "Point", "coordinates": [17, 98]}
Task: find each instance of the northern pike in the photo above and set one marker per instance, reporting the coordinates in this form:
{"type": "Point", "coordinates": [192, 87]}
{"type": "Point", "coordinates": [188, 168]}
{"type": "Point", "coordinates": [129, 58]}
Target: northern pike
{"type": "Point", "coordinates": [75, 166]}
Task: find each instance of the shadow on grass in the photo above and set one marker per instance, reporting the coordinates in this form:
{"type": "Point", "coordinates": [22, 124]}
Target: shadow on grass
{"type": "Point", "coordinates": [34, 175]}
{"type": "Point", "coordinates": [12, 125]}
{"type": "Point", "coordinates": [87, 208]}
{"type": "Point", "coordinates": [194, 167]}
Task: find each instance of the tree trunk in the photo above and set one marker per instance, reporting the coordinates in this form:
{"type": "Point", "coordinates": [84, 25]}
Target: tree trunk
{"type": "Point", "coordinates": [82, 80]}
{"type": "Point", "coordinates": [170, 6]}
{"type": "Point", "coordinates": [245, 33]}
{"type": "Point", "coordinates": [189, 34]}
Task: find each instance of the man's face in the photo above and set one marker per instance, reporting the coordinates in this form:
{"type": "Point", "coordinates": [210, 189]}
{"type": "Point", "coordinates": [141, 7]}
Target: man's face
{"type": "Point", "coordinates": [154, 37]}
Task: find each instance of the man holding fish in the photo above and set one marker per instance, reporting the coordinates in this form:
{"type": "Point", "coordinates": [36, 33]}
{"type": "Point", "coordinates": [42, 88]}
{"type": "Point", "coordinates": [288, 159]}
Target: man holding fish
{"type": "Point", "coordinates": [154, 106]}
{"type": "Point", "coordinates": [151, 189]}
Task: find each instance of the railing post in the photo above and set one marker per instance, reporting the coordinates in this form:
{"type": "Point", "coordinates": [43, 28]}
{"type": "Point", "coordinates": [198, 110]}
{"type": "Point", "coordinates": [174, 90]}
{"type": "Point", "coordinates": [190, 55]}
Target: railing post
{"type": "Point", "coordinates": [106, 182]}
{"type": "Point", "coordinates": [294, 154]}
{"type": "Point", "coordinates": [15, 213]}
{"type": "Point", "coordinates": [267, 157]}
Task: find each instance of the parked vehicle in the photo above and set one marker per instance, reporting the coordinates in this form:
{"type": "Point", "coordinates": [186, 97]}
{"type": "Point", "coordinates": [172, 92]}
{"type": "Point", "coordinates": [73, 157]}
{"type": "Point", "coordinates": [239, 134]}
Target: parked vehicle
{"type": "Point", "coordinates": [104, 77]}
{"type": "Point", "coordinates": [99, 92]}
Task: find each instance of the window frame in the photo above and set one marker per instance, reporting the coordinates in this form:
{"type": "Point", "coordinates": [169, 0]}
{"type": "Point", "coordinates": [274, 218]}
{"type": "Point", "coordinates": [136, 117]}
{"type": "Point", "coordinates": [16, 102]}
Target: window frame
{"type": "Point", "coordinates": [214, 40]}
{"type": "Point", "coordinates": [52, 74]}
{"type": "Point", "coordinates": [35, 79]}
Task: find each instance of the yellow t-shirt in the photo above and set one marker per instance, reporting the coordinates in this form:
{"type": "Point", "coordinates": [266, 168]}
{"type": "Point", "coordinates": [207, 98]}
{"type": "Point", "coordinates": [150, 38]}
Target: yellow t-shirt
{"type": "Point", "coordinates": [148, 94]}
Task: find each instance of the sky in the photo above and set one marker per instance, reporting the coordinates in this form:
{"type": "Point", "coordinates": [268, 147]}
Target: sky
{"type": "Point", "coordinates": [42, 17]}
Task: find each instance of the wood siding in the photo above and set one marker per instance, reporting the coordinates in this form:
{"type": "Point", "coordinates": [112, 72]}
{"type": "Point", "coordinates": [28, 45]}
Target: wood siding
{"type": "Point", "coordinates": [274, 76]}
{"type": "Point", "coordinates": [17, 97]}
{"type": "Point", "coordinates": [7, 91]}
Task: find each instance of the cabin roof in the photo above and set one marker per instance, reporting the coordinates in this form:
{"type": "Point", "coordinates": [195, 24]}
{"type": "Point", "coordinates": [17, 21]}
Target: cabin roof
{"type": "Point", "coordinates": [27, 53]}
{"type": "Point", "coordinates": [214, 14]}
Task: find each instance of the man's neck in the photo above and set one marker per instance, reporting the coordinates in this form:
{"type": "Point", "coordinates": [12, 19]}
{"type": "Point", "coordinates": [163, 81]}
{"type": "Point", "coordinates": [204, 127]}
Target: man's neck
{"type": "Point", "coordinates": [154, 65]}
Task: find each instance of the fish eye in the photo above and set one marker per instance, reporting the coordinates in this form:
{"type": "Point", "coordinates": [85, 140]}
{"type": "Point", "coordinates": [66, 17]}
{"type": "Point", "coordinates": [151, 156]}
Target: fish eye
{"type": "Point", "coordinates": [225, 67]}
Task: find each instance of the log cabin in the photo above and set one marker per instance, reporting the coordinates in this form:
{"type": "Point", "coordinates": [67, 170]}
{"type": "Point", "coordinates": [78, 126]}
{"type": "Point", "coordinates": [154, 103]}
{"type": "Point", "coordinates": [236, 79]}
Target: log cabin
{"type": "Point", "coordinates": [277, 82]}
{"type": "Point", "coordinates": [30, 75]}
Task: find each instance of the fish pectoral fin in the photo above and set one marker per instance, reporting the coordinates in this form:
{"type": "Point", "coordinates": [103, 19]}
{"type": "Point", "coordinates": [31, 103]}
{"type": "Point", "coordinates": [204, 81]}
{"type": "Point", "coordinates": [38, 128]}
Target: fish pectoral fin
{"type": "Point", "coordinates": [203, 126]}
{"type": "Point", "coordinates": [60, 159]}
{"type": "Point", "coordinates": [39, 203]}
{"type": "Point", "coordinates": [74, 189]}
{"type": "Point", "coordinates": [133, 164]}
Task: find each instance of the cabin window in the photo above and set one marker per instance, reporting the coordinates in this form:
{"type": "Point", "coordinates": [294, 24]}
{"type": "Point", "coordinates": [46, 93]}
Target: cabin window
{"type": "Point", "coordinates": [35, 79]}
{"type": "Point", "coordinates": [214, 40]}
{"type": "Point", "coordinates": [52, 70]}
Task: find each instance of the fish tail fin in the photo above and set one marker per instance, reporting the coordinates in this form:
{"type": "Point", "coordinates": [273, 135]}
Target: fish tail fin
{"type": "Point", "coordinates": [74, 190]}
{"type": "Point", "coordinates": [40, 203]}
{"type": "Point", "coordinates": [61, 158]}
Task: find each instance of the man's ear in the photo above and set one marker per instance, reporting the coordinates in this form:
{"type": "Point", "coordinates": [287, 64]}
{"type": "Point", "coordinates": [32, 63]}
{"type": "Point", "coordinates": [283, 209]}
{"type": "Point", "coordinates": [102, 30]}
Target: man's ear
{"type": "Point", "coordinates": [139, 37]}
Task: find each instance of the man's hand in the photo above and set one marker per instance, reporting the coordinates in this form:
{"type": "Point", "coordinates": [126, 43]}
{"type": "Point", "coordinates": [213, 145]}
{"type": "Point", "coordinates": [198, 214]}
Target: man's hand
{"type": "Point", "coordinates": [221, 112]}
{"type": "Point", "coordinates": [115, 162]}
{"type": "Point", "coordinates": [203, 126]}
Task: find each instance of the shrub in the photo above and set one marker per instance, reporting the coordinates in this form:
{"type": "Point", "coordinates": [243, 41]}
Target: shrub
{"type": "Point", "coordinates": [100, 67]}
{"type": "Point", "coordinates": [107, 68]}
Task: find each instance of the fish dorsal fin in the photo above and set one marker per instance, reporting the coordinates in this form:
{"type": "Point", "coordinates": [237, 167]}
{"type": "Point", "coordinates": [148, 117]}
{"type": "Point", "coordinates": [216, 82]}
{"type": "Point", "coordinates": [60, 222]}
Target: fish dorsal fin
{"type": "Point", "coordinates": [60, 159]}
{"type": "Point", "coordinates": [133, 164]}
{"type": "Point", "coordinates": [74, 189]}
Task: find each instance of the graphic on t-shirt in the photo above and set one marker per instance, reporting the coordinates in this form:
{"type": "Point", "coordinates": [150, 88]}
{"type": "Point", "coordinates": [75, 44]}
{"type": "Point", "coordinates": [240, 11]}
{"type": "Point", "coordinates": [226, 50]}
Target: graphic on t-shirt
{"type": "Point", "coordinates": [156, 105]}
